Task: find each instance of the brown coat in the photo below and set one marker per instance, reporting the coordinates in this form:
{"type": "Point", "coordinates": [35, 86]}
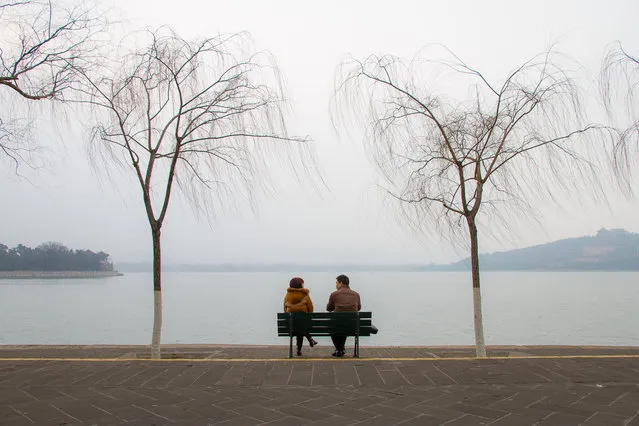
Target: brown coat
{"type": "Point", "coordinates": [344, 300]}
{"type": "Point", "coordinates": [298, 300]}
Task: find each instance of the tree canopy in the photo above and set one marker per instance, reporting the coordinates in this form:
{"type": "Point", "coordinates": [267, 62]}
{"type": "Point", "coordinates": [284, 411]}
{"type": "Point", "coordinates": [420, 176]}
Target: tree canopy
{"type": "Point", "coordinates": [52, 256]}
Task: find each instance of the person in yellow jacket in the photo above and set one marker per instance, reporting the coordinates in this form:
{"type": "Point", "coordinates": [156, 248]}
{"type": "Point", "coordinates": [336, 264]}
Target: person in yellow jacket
{"type": "Point", "coordinates": [298, 300]}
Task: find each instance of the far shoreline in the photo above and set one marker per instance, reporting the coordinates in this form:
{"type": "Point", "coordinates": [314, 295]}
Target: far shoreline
{"type": "Point", "coordinates": [21, 275]}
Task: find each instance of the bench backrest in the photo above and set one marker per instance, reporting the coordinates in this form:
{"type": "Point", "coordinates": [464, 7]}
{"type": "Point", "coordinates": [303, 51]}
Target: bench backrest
{"type": "Point", "coordinates": [325, 323]}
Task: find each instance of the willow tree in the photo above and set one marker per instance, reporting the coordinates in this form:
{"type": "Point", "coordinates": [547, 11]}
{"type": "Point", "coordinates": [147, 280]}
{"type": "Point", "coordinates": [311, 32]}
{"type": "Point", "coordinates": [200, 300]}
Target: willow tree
{"type": "Point", "coordinates": [42, 44]}
{"type": "Point", "coordinates": [448, 158]}
{"type": "Point", "coordinates": [190, 115]}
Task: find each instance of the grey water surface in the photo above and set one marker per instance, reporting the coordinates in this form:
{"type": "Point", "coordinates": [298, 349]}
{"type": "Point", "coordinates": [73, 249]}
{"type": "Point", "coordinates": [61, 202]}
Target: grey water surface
{"type": "Point", "coordinates": [409, 308]}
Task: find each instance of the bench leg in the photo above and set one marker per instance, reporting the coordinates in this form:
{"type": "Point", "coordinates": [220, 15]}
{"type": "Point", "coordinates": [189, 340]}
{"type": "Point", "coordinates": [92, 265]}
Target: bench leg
{"type": "Point", "coordinates": [356, 354]}
{"type": "Point", "coordinates": [290, 348]}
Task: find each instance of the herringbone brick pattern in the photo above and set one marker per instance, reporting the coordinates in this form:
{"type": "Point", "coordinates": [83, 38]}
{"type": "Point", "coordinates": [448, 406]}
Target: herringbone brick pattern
{"type": "Point", "coordinates": [589, 391]}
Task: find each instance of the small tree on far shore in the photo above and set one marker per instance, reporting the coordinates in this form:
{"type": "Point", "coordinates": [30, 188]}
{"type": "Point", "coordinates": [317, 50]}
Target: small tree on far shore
{"type": "Point", "coordinates": [200, 116]}
{"type": "Point", "coordinates": [448, 160]}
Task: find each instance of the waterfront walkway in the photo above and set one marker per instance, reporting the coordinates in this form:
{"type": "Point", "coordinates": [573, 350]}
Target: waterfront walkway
{"type": "Point", "coordinates": [259, 385]}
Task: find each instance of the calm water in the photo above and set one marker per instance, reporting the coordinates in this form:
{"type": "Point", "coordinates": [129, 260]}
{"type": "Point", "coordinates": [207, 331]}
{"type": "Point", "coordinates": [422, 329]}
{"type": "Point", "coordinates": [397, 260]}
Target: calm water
{"type": "Point", "coordinates": [433, 308]}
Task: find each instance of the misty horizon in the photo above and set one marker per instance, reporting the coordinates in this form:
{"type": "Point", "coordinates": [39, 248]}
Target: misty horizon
{"type": "Point", "coordinates": [347, 217]}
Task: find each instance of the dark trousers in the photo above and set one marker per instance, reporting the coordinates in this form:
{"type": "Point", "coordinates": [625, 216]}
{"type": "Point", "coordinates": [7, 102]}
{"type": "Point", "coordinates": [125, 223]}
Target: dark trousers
{"type": "Point", "coordinates": [339, 342]}
{"type": "Point", "coordinates": [300, 339]}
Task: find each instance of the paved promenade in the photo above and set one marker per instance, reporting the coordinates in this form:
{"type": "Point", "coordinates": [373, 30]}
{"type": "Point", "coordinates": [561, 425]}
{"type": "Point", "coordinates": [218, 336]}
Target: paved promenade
{"type": "Point", "coordinates": [258, 385]}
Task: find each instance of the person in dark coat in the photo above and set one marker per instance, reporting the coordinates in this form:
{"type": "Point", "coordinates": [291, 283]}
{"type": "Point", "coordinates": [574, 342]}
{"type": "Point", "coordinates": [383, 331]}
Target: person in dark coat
{"type": "Point", "coordinates": [297, 299]}
{"type": "Point", "coordinates": [343, 299]}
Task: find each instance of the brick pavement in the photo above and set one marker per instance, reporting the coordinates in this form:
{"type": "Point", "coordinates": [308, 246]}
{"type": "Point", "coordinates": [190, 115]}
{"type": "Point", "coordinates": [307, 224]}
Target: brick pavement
{"type": "Point", "coordinates": [233, 385]}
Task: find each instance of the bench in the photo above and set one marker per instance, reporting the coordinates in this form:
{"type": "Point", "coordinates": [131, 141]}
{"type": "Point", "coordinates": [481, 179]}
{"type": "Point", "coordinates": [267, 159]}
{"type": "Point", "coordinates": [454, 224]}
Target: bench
{"type": "Point", "coordinates": [317, 324]}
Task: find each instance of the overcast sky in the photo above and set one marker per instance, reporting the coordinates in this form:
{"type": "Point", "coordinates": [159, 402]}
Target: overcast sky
{"type": "Point", "coordinates": [351, 221]}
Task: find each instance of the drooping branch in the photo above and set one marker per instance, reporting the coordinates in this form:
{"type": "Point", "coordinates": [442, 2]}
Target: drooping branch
{"type": "Point", "coordinates": [43, 44]}
{"type": "Point", "coordinates": [43, 47]}
{"type": "Point", "coordinates": [206, 113]}
{"type": "Point", "coordinates": [619, 86]}
{"type": "Point", "coordinates": [12, 147]}
{"type": "Point", "coordinates": [440, 152]}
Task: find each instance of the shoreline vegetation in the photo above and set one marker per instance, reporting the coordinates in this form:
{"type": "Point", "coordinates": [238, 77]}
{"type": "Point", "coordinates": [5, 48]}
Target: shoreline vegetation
{"type": "Point", "coordinates": [19, 275]}
{"type": "Point", "coordinates": [53, 260]}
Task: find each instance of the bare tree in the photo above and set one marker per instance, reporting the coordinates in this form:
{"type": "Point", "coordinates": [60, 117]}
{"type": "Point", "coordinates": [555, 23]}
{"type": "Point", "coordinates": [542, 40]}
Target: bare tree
{"type": "Point", "coordinates": [619, 82]}
{"type": "Point", "coordinates": [189, 115]}
{"type": "Point", "coordinates": [448, 160]}
{"type": "Point", "coordinates": [42, 44]}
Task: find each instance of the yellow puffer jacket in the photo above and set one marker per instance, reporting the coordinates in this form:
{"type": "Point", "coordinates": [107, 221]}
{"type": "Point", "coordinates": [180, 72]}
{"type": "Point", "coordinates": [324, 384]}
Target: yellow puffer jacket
{"type": "Point", "coordinates": [298, 300]}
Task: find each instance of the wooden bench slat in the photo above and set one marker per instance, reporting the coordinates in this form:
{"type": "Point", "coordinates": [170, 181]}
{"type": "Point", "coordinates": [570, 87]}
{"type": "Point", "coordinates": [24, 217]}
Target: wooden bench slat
{"type": "Point", "coordinates": [363, 333]}
{"type": "Point", "coordinates": [318, 329]}
{"type": "Point", "coordinates": [321, 315]}
{"type": "Point", "coordinates": [341, 322]}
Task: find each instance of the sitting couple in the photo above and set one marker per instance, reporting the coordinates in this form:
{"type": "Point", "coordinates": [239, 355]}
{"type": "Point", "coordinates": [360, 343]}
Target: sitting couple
{"type": "Point", "coordinates": [343, 299]}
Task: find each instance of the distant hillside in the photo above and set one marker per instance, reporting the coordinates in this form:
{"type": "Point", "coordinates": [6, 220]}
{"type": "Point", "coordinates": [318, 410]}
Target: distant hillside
{"type": "Point", "coordinates": [614, 249]}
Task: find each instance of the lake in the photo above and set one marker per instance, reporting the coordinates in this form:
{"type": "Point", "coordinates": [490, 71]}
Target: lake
{"type": "Point", "coordinates": [409, 308]}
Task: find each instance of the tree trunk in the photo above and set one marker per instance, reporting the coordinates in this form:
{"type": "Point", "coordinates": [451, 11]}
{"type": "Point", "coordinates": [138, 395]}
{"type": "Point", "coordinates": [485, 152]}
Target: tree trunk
{"type": "Point", "coordinates": [157, 293]}
{"type": "Point", "coordinates": [480, 346]}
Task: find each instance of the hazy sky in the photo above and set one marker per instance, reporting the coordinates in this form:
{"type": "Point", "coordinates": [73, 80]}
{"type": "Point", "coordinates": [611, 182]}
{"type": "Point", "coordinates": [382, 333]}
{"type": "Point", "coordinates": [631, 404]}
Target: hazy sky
{"type": "Point", "coordinates": [351, 221]}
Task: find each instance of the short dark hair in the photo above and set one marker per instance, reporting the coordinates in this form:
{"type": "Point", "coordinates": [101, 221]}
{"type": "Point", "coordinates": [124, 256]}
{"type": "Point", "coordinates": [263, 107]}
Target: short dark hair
{"type": "Point", "coordinates": [296, 282]}
{"type": "Point", "coordinates": [343, 279]}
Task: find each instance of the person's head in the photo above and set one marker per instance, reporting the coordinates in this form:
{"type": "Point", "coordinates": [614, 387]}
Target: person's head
{"type": "Point", "coordinates": [296, 282]}
{"type": "Point", "coordinates": [342, 280]}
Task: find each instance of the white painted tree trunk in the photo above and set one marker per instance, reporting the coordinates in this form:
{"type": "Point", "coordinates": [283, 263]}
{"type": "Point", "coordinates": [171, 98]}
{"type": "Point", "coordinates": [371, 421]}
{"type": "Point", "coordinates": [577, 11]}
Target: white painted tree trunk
{"type": "Point", "coordinates": [157, 293]}
{"type": "Point", "coordinates": [157, 324]}
{"type": "Point", "coordinates": [480, 346]}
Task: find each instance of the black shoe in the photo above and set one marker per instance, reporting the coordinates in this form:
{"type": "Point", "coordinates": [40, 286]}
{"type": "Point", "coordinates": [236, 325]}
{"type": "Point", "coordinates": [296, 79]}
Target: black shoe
{"type": "Point", "coordinates": [299, 352]}
{"type": "Point", "coordinates": [338, 354]}
{"type": "Point", "coordinates": [312, 342]}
